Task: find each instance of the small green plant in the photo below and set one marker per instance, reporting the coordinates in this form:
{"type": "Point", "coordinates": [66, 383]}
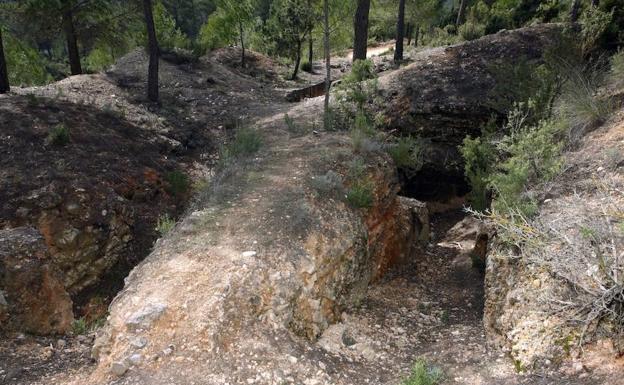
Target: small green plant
{"type": "Point", "coordinates": [247, 141]}
{"type": "Point", "coordinates": [59, 135]}
{"type": "Point", "coordinates": [616, 74]}
{"type": "Point", "coordinates": [328, 183]}
{"type": "Point", "coordinates": [290, 123]}
{"type": "Point", "coordinates": [363, 143]}
{"type": "Point", "coordinates": [164, 224]}
{"type": "Point", "coordinates": [533, 156]}
{"type": "Point", "coordinates": [408, 153]}
{"type": "Point", "coordinates": [587, 232]}
{"type": "Point", "coordinates": [80, 326]}
{"type": "Point", "coordinates": [357, 168]}
{"type": "Point", "coordinates": [471, 30]}
{"type": "Point", "coordinates": [519, 366]}
{"type": "Point", "coordinates": [445, 317]}
{"type": "Point", "coordinates": [614, 157]}
{"type": "Point", "coordinates": [360, 195]}
{"type": "Point", "coordinates": [424, 374]}
{"type": "Point", "coordinates": [177, 183]}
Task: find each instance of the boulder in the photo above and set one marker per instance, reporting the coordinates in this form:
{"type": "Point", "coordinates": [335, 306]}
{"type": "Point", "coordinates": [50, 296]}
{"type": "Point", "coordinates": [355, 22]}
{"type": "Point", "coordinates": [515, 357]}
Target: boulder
{"type": "Point", "coordinates": [450, 92]}
{"type": "Point", "coordinates": [32, 295]}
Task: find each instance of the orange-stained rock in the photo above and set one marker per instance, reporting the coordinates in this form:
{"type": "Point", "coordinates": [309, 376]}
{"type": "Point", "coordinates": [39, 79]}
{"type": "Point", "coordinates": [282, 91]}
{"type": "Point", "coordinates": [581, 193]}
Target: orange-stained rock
{"type": "Point", "coordinates": [36, 300]}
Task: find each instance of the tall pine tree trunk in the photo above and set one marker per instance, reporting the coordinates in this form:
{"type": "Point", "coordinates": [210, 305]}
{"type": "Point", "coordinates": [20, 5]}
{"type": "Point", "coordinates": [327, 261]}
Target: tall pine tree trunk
{"type": "Point", "coordinates": [297, 61]}
{"type": "Point", "coordinates": [408, 33]}
{"type": "Point", "coordinates": [326, 117]}
{"type": "Point", "coordinates": [4, 73]}
{"type": "Point", "coordinates": [241, 32]}
{"type": "Point", "coordinates": [154, 52]}
{"type": "Point", "coordinates": [574, 12]}
{"type": "Point", "coordinates": [311, 52]}
{"type": "Point", "coordinates": [360, 24]}
{"type": "Point", "coordinates": [398, 50]}
{"type": "Point", "coordinates": [310, 42]}
{"type": "Point", "coordinates": [460, 12]}
{"type": "Point", "coordinates": [72, 40]}
{"type": "Point", "coordinates": [416, 35]}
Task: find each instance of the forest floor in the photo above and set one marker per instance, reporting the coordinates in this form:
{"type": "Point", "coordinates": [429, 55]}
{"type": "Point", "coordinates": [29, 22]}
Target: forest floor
{"type": "Point", "coordinates": [431, 309]}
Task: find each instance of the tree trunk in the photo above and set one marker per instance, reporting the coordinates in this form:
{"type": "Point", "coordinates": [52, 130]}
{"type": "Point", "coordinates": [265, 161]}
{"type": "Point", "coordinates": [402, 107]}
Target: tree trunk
{"type": "Point", "coordinates": [4, 74]}
{"type": "Point", "coordinates": [360, 24]}
{"type": "Point", "coordinates": [297, 61]}
{"type": "Point", "coordinates": [408, 33]}
{"type": "Point", "coordinates": [398, 50]}
{"type": "Point", "coordinates": [311, 52]}
{"type": "Point", "coordinates": [416, 36]}
{"type": "Point", "coordinates": [154, 52]}
{"type": "Point", "coordinates": [460, 12]}
{"type": "Point", "coordinates": [241, 32]}
{"type": "Point", "coordinates": [72, 41]}
{"type": "Point", "coordinates": [574, 12]}
{"type": "Point", "coordinates": [310, 41]}
{"type": "Point", "coordinates": [326, 120]}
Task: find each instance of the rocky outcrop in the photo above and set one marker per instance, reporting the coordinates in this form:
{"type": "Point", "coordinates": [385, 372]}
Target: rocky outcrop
{"type": "Point", "coordinates": [261, 266]}
{"type": "Point", "coordinates": [545, 297]}
{"type": "Point", "coordinates": [93, 200]}
{"type": "Point", "coordinates": [449, 93]}
{"type": "Point", "coordinates": [32, 295]}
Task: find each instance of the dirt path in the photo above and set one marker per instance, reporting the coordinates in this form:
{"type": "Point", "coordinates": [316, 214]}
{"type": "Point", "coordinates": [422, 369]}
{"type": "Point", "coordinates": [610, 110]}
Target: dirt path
{"type": "Point", "coordinates": [432, 309]}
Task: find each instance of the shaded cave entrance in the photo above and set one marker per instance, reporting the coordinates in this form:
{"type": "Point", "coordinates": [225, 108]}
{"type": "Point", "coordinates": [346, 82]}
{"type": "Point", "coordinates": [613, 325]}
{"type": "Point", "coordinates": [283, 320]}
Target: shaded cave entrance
{"type": "Point", "coordinates": [458, 244]}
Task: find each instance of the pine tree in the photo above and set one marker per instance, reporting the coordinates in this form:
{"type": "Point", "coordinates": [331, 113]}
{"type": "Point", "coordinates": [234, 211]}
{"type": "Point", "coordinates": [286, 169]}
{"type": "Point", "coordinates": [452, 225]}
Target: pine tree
{"type": "Point", "coordinates": [152, 76]}
{"type": "Point", "coordinates": [398, 51]}
{"type": "Point", "coordinates": [4, 74]}
{"type": "Point", "coordinates": [360, 26]}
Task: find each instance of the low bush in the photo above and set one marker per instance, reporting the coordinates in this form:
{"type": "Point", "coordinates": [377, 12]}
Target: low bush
{"type": "Point", "coordinates": [331, 182]}
{"type": "Point", "coordinates": [246, 141]}
{"type": "Point", "coordinates": [360, 194]}
{"type": "Point", "coordinates": [471, 31]}
{"type": "Point", "coordinates": [423, 374]}
{"type": "Point", "coordinates": [178, 183]}
{"type": "Point", "coordinates": [164, 224]}
{"type": "Point", "coordinates": [59, 135]}
{"type": "Point", "coordinates": [616, 74]}
{"type": "Point", "coordinates": [407, 152]}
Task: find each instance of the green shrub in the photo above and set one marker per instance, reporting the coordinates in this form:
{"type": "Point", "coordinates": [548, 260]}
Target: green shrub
{"type": "Point", "coordinates": [533, 156]}
{"type": "Point", "coordinates": [407, 152]}
{"type": "Point", "coordinates": [26, 66]}
{"type": "Point", "coordinates": [59, 135]}
{"type": "Point", "coordinates": [164, 224]}
{"type": "Point", "coordinates": [423, 374]}
{"type": "Point", "coordinates": [331, 182]}
{"type": "Point", "coordinates": [355, 93]}
{"type": "Point", "coordinates": [479, 158]}
{"type": "Point", "coordinates": [360, 195]}
{"type": "Point", "coordinates": [471, 30]}
{"type": "Point", "coordinates": [290, 123]}
{"type": "Point", "coordinates": [247, 141]}
{"type": "Point", "coordinates": [98, 59]}
{"type": "Point", "coordinates": [169, 36]}
{"type": "Point", "coordinates": [617, 69]}
{"type": "Point", "coordinates": [178, 183]}
{"type": "Point", "coordinates": [357, 168]}
{"type": "Point", "coordinates": [79, 326]}
{"type": "Point", "coordinates": [580, 102]}
{"type": "Point", "coordinates": [364, 143]}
